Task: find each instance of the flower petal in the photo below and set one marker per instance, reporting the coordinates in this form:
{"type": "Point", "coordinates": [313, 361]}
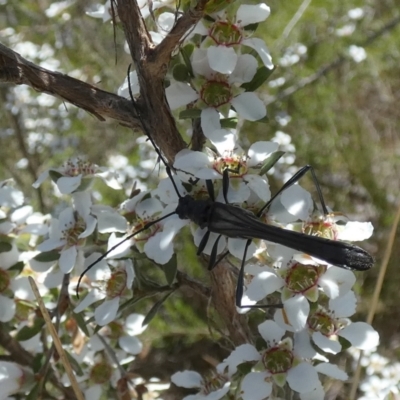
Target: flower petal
{"type": "Point", "coordinates": [356, 231]}
{"type": "Point", "coordinates": [42, 177]}
{"type": "Point", "coordinates": [361, 335]}
{"type": "Point", "coordinates": [252, 14]}
{"type": "Point", "coordinates": [123, 90]}
{"type": "Point", "coordinates": [106, 312]}
{"type": "Point", "coordinates": [303, 378]}
{"type": "Point", "coordinates": [302, 345]}
{"type": "Point", "coordinates": [249, 106]}
{"type": "Point", "coordinates": [187, 379]}
{"type": "Point", "coordinates": [180, 94]}
{"type": "Point", "coordinates": [255, 386]}
{"type": "Point", "coordinates": [326, 344]}
{"type": "Point", "coordinates": [134, 324]}
{"type": "Point", "coordinates": [7, 309]}
{"type": "Point", "coordinates": [259, 151]}
{"type": "Point", "coordinates": [67, 259]}
{"type": "Point", "coordinates": [271, 332]}
{"type": "Point", "coordinates": [210, 121]}
{"type": "Point", "coordinates": [344, 306]}
{"type": "Point", "coordinates": [243, 353]}
{"type": "Point", "coordinates": [332, 371]}
{"type": "Point", "coordinates": [336, 282]}
{"type": "Point", "coordinates": [93, 296]}
{"type": "Point", "coordinates": [246, 68]}
{"type": "Point", "coordinates": [222, 59]}
{"type": "Point", "coordinates": [261, 48]}
{"type": "Point", "coordinates": [130, 344]}
{"type": "Point", "coordinates": [297, 202]}
{"type": "Point", "coordinates": [259, 186]}
{"type": "Point", "coordinates": [297, 310]}
{"type": "Point", "coordinates": [68, 184]}
{"type": "Point", "coordinates": [222, 139]}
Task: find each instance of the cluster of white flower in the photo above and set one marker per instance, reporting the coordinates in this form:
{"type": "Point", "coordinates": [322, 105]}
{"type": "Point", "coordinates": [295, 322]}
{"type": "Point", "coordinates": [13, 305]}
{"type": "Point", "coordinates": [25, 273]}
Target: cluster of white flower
{"type": "Point", "coordinates": [213, 79]}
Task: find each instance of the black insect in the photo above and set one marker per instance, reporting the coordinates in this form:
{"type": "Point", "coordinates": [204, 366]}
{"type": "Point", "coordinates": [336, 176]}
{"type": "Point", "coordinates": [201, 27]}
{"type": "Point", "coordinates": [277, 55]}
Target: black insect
{"type": "Point", "coordinates": [235, 222]}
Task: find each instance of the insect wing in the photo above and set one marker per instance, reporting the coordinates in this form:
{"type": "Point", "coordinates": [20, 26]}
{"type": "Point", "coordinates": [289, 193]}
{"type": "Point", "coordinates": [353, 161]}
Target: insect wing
{"type": "Point", "coordinates": [235, 222]}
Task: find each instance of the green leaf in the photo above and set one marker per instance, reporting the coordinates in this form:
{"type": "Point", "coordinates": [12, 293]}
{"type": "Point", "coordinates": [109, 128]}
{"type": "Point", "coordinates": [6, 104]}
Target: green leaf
{"type": "Point", "coordinates": [345, 343]}
{"type": "Point", "coordinates": [262, 74]}
{"type": "Point", "coordinates": [18, 267]}
{"type": "Point", "coordinates": [154, 310]}
{"type": "Point", "coordinates": [81, 323]}
{"type": "Point", "coordinates": [85, 184]}
{"type": "Point", "coordinates": [186, 52]}
{"type": "Point", "coordinates": [47, 256]}
{"type": "Point", "coordinates": [37, 362]}
{"type": "Point", "coordinates": [28, 332]}
{"type": "Point", "coordinates": [251, 27]}
{"type": "Point", "coordinates": [170, 269]}
{"type": "Point", "coordinates": [190, 113]}
{"type": "Point", "coordinates": [34, 392]}
{"type": "Point", "coordinates": [270, 161]}
{"type": "Point", "coordinates": [5, 247]}
{"type": "Point", "coordinates": [229, 123]}
{"type": "Point", "coordinates": [181, 73]}
{"type": "Point", "coordinates": [55, 175]}
{"type": "Point", "coordinates": [74, 364]}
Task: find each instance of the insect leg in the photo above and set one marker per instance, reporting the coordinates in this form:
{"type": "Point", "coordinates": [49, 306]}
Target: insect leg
{"type": "Point", "coordinates": [146, 226]}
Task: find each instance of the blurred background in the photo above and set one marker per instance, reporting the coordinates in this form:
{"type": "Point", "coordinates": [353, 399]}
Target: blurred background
{"type": "Point", "coordinates": [333, 102]}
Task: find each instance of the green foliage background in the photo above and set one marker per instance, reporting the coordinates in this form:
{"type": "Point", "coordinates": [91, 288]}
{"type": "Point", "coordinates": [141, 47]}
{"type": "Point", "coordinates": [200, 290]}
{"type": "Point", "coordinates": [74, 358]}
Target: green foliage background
{"type": "Point", "coordinates": [345, 123]}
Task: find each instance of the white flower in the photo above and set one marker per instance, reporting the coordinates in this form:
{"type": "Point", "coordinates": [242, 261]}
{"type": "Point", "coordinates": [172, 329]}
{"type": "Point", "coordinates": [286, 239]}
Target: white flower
{"type": "Point", "coordinates": [133, 326]}
{"type": "Point", "coordinates": [9, 196]}
{"type": "Point", "coordinates": [277, 364]}
{"type": "Point", "coordinates": [12, 378]}
{"type": "Point", "coordinates": [213, 388]}
{"type": "Point", "coordinates": [67, 234]}
{"type": "Point", "coordinates": [243, 171]}
{"type": "Point", "coordinates": [217, 91]}
{"type": "Point", "coordinates": [76, 175]}
{"type": "Point", "coordinates": [324, 325]}
{"type": "Point", "coordinates": [224, 35]}
{"type": "Point", "coordinates": [117, 285]}
{"type": "Point", "coordinates": [357, 53]}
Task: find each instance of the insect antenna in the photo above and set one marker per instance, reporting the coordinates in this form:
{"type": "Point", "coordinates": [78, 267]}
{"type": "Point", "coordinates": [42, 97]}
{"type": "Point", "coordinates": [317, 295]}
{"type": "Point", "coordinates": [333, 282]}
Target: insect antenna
{"type": "Point", "coordinates": [147, 133]}
{"type": "Point", "coordinates": [149, 224]}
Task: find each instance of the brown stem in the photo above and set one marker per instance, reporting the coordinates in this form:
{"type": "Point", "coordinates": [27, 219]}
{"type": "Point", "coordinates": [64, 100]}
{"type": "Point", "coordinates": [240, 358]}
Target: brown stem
{"type": "Point", "coordinates": [19, 71]}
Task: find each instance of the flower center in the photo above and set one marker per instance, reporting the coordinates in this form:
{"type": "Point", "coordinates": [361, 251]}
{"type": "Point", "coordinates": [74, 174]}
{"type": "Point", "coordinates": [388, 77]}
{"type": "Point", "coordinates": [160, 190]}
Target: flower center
{"type": "Point", "coordinates": [23, 309]}
{"type": "Point", "coordinates": [321, 321]}
{"type": "Point", "coordinates": [71, 234]}
{"type": "Point", "coordinates": [116, 284]}
{"type": "Point", "coordinates": [145, 234]}
{"type": "Point", "coordinates": [216, 93]}
{"type": "Point", "coordinates": [225, 33]}
{"type": "Point", "coordinates": [277, 360]}
{"type": "Point", "coordinates": [236, 167]}
{"type": "Point", "coordinates": [321, 226]}
{"type": "Point", "coordinates": [75, 168]}
{"type": "Point", "coordinates": [213, 383]}
{"type": "Point", "coordinates": [101, 373]}
{"type": "Point", "coordinates": [302, 277]}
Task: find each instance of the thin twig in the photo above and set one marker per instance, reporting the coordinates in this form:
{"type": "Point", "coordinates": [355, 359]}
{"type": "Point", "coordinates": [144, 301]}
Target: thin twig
{"type": "Point", "coordinates": [292, 23]}
{"type": "Point", "coordinates": [57, 343]}
{"type": "Point", "coordinates": [375, 298]}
